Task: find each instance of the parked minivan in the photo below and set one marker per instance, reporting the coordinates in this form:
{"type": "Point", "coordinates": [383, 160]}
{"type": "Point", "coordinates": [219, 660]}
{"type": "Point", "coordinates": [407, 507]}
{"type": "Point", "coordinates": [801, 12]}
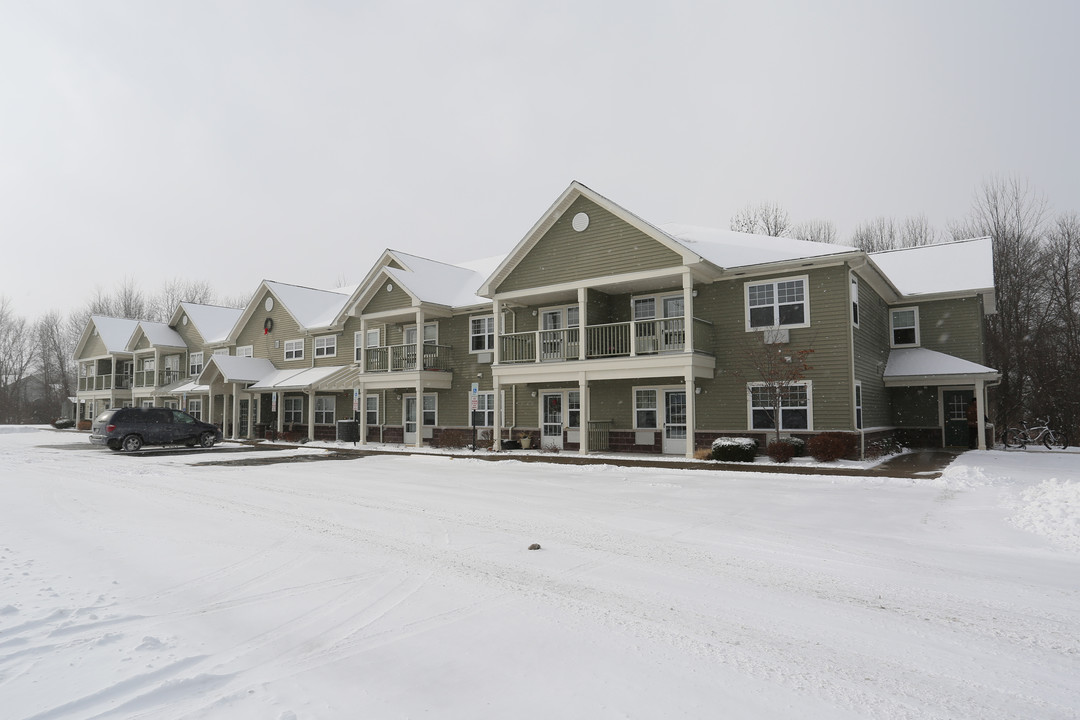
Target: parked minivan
{"type": "Point", "coordinates": [131, 428]}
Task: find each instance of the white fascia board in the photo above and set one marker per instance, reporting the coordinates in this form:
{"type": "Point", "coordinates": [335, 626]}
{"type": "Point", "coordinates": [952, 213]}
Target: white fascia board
{"type": "Point", "coordinates": [939, 380]}
{"type": "Point", "coordinates": [589, 283]}
{"type": "Point", "coordinates": [790, 266]}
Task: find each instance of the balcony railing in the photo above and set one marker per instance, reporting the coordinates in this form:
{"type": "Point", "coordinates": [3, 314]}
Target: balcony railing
{"type": "Point", "coordinates": [96, 382]}
{"type": "Point", "coordinates": [156, 378]}
{"type": "Point", "coordinates": [640, 337]}
{"type": "Point", "coordinates": [402, 358]}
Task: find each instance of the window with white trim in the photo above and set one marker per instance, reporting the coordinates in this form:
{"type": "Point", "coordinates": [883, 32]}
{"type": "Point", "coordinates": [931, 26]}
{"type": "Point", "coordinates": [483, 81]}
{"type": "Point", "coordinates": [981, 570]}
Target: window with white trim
{"type": "Point", "coordinates": [294, 349]}
{"type": "Point", "coordinates": [371, 410]}
{"type": "Point", "coordinates": [221, 351]}
{"type": "Point", "coordinates": [645, 409]}
{"type": "Point", "coordinates": [374, 339]}
{"type": "Point", "coordinates": [431, 334]}
{"type": "Point", "coordinates": [482, 333]}
{"type": "Point", "coordinates": [195, 363]}
{"type": "Point", "coordinates": [294, 410]}
{"type": "Point", "coordinates": [485, 410]}
{"type": "Point", "coordinates": [858, 405]}
{"type": "Point", "coordinates": [854, 300]}
{"type": "Point", "coordinates": [904, 327]}
{"type": "Point", "coordinates": [794, 407]}
{"type": "Point", "coordinates": [326, 346]}
{"type": "Point", "coordinates": [777, 303]}
{"type": "Point", "coordinates": [431, 407]}
{"type": "Point", "coordinates": [194, 409]}
{"type": "Point", "coordinates": [245, 351]}
{"type": "Point", "coordinates": [324, 409]}
{"type": "Point", "coordinates": [573, 409]}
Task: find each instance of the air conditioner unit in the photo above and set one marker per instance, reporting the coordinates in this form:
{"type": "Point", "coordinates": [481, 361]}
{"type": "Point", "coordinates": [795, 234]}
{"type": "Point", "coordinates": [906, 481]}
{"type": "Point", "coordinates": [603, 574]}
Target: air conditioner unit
{"type": "Point", "coordinates": [776, 336]}
{"type": "Point", "coordinates": [485, 358]}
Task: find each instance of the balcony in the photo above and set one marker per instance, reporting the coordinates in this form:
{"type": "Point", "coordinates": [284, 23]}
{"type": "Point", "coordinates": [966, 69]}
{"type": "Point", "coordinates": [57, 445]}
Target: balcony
{"type": "Point", "coordinates": [611, 340]}
{"type": "Point", "coordinates": [156, 378]}
{"type": "Point", "coordinates": [402, 358]}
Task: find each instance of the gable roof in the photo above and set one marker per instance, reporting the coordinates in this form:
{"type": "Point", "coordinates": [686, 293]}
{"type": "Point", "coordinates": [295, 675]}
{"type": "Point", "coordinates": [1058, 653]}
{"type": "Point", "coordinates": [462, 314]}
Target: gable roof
{"type": "Point", "coordinates": [213, 322]}
{"type": "Point", "coordinates": [430, 281]}
{"type": "Point", "coordinates": [920, 366]}
{"type": "Point", "coordinates": [233, 368]}
{"type": "Point", "coordinates": [311, 308]}
{"type": "Point", "coordinates": [965, 265]}
{"type": "Point", "coordinates": [159, 335]}
{"type": "Point", "coordinates": [114, 333]}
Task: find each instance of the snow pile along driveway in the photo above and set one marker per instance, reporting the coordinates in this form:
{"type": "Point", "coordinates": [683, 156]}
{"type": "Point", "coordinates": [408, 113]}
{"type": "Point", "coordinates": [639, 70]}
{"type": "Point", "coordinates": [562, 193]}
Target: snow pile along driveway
{"type": "Point", "coordinates": [155, 586]}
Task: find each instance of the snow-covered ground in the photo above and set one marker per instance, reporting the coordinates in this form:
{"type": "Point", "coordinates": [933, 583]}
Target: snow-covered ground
{"type": "Point", "coordinates": [401, 586]}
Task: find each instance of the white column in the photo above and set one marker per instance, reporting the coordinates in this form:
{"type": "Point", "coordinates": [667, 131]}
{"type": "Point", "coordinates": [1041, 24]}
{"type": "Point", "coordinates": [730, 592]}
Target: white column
{"type": "Point", "coordinates": [691, 414]}
{"type": "Point", "coordinates": [363, 411]}
{"type": "Point", "coordinates": [251, 417]}
{"type": "Point", "coordinates": [688, 312]}
{"type": "Point", "coordinates": [583, 414]}
{"type": "Point", "coordinates": [235, 410]}
{"type": "Point", "coordinates": [210, 403]}
{"type": "Point", "coordinates": [311, 415]}
{"type": "Point", "coordinates": [419, 377]}
{"type": "Point", "coordinates": [980, 408]}
{"type": "Point", "coordinates": [362, 350]}
{"type": "Point", "coordinates": [496, 308]}
{"type": "Point", "coordinates": [280, 412]}
{"type": "Point", "coordinates": [499, 410]}
{"type": "Point", "coordinates": [582, 299]}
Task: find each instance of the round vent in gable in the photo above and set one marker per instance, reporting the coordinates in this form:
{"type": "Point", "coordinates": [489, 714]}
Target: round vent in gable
{"type": "Point", "coordinates": [580, 222]}
{"type": "Point", "coordinates": [269, 304]}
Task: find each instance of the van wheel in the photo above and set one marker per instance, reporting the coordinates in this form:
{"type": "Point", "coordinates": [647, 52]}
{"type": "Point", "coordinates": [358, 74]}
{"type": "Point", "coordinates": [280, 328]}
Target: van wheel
{"type": "Point", "coordinates": [206, 439]}
{"type": "Point", "coordinates": [132, 443]}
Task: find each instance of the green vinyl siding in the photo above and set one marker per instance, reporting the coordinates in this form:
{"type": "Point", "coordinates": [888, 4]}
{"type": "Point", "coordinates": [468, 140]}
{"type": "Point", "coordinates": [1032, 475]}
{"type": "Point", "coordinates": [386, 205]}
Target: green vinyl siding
{"type": "Point", "coordinates": [394, 299]}
{"type": "Point", "coordinates": [608, 246]}
{"type": "Point", "coordinates": [144, 342]}
{"type": "Point", "coordinates": [263, 343]}
{"type": "Point", "coordinates": [871, 341]}
{"type": "Point", "coordinates": [953, 327]}
{"type": "Point", "coordinates": [721, 406]}
{"type": "Point", "coordinates": [94, 346]}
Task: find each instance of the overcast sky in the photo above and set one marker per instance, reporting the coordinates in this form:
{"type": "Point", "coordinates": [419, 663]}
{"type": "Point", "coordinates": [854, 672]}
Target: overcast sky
{"type": "Point", "coordinates": [294, 141]}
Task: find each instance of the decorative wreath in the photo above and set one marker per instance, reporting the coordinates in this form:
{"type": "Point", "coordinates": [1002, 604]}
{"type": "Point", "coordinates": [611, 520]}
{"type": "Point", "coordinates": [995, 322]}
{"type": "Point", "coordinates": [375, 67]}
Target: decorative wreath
{"type": "Point", "coordinates": [268, 325]}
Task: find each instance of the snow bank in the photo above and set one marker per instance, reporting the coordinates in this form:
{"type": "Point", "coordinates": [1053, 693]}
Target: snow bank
{"type": "Point", "coordinates": [1052, 509]}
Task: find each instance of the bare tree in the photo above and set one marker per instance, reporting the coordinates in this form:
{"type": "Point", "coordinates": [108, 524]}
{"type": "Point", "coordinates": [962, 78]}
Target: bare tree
{"type": "Point", "coordinates": [916, 231]}
{"type": "Point", "coordinates": [776, 371]}
{"type": "Point", "coordinates": [55, 360]}
{"type": "Point", "coordinates": [822, 231]}
{"type": "Point", "coordinates": [16, 359]}
{"type": "Point", "coordinates": [762, 219]}
{"type": "Point", "coordinates": [164, 304]}
{"type": "Point", "coordinates": [1013, 214]}
{"type": "Point", "coordinates": [876, 235]}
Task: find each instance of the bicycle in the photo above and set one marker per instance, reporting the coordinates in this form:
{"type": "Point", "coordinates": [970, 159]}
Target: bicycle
{"type": "Point", "coordinates": [1023, 436]}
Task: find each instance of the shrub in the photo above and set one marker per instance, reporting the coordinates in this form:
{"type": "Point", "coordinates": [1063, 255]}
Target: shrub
{"type": "Point", "coordinates": [703, 454]}
{"type": "Point", "coordinates": [550, 448]}
{"type": "Point", "coordinates": [883, 447]}
{"type": "Point", "coordinates": [827, 447]}
{"type": "Point", "coordinates": [453, 438]}
{"type": "Point", "coordinates": [734, 449]}
{"type": "Point", "coordinates": [798, 445]}
{"type": "Point", "coordinates": [781, 451]}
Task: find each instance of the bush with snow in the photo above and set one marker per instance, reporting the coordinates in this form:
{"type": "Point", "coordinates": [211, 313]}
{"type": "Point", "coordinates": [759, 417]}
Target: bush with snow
{"type": "Point", "coordinates": [734, 449]}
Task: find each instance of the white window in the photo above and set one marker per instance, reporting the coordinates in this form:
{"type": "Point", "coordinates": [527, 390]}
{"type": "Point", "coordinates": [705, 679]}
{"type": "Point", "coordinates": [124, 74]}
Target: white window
{"type": "Point", "coordinates": [324, 409]}
{"type": "Point", "coordinates": [371, 410]}
{"type": "Point", "coordinates": [221, 351]}
{"type": "Point", "coordinates": [326, 346]}
{"type": "Point", "coordinates": [194, 409]}
{"type": "Point", "coordinates": [854, 300]}
{"type": "Point", "coordinates": [245, 351]}
{"type": "Point", "coordinates": [794, 407]}
{"type": "Point", "coordinates": [294, 349]}
{"type": "Point", "coordinates": [645, 415]}
{"type": "Point", "coordinates": [195, 364]}
{"type": "Point", "coordinates": [431, 334]}
{"type": "Point", "coordinates": [858, 405]}
{"type": "Point", "coordinates": [644, 308]}
{"type": "Point", "coordinates": [149, 364]}
{"type": "Point", "coordinates": [294, 410]}
{"type": "Point", "coordinates": [485, 410]}
{"type": "Point", "coordinates": [431, 405]}
{"type": "Point", "coordinates": [777, 303]}
{"type": "Point", "coordinates": [904, 326]}
{"type": "Point", "coordinates": [482, 333]}
{"type": "Point", "coordinates": [374, 339]}
{"type": "Point", "coordinates": [573, 409]}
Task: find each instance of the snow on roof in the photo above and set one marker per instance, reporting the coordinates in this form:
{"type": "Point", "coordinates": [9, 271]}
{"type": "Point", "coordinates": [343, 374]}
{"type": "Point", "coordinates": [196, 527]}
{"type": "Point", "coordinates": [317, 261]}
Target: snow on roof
{"type": "Point", "coordinates": [295, 379]}
{"type": "Point", "coordinates": [312, 308]}
{"type": "Point", "coordinates": [213, 322]}
{"type": "Point", "coordinates": [238, 369]}
{"type": "Point", "coordinates": [160, 334]}
{"type": "Point", "coordinates": [909, 362]}
{"type": "Point", "coordinates": [946, 267]}
{"type": "Point", "coordinates": [729, 249]}
{"type": "Point", "coordinates": [114, 332]}
{"type": "Point", "coordinates": [444, 284]}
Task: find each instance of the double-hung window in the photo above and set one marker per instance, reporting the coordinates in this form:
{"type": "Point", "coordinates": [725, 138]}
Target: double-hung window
{"type": "Point", "coordinates": [371, 410]}
{"type": "Point", "coordinates": [482, 333]}
{"type": "Point", "coordinates": [904, 327]}
{"type": "Point", "coordinates": [858, 405]}
{"type": "Point", "coordinates": [324, 410]}
{"type": "Point", "coordinates": [326, 346]}
{"type": "Point", "coordinates": [371, 338]}
{"type": "Point", "coordinates": [573, 409]}
{"type": "Point", "coordinates": [294, 410]}
{"type": "Point", "coordinates": [294, 349]}
{"type": "Point", "coordinates": [854, 300]}
{"type": "Point", "coordinates": [195, 364]}
{"type": "Point", "coordinates": [777, 303]}
{"type": "Point", "coordinates": [245, 351]}
{"type": "Point", "coordinates": [194, 409]}
{"type": "Point", "coordinates": [794, 407]}
{"type": "Point", "coordinates": [484, 416]}
{"type": "Point", "coordinates": [431, 405]}
{"type": "Point", "coordinates": [645, 409]}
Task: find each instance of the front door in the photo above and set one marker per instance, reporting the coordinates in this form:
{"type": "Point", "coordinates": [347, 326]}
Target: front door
{"type": "Point", "coordinates": [410, 419]}
{"type": "Point", "coordinates": [244, 411]}
{"type": "Point", "coordinates": [675, 422]}
{"type": "Point", "coordinates": [551, 427]}
{"type": "Point", "coordinates": [955, 404]}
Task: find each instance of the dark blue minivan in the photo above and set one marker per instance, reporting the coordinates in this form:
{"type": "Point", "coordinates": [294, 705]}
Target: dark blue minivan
{"type": "Point", "coordinates": [131, 428]}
